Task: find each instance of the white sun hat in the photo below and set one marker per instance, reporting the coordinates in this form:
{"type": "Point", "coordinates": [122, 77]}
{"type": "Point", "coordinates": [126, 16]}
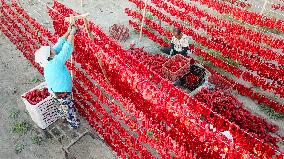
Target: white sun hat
{"type": "Point", "coordinates": [41, 55]}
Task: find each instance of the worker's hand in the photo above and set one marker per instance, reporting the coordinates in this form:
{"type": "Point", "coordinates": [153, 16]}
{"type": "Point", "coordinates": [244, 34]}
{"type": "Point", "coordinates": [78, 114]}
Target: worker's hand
{"type": "Point", "coordinates": [69, 29]}
{"type": "Point", "coordinates": [85, 21]}
{"type": "Point", "coordinates": [73, 30]}
{"type": "Point", "coordinates": [72, 19]}
{"type": "Point", "coordinates": [71, 23]}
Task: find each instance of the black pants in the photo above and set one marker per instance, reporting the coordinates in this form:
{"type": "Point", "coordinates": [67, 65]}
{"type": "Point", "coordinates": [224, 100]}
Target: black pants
{"type": "Point", "coordinates": [167, 50]}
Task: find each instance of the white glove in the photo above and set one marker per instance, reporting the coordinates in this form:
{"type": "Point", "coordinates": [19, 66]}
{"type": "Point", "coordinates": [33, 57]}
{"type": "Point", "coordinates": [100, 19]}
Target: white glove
{"type": "Point", "coordinates": [73, 30]}
{"type": "Point", "coordinates": [69, 29]}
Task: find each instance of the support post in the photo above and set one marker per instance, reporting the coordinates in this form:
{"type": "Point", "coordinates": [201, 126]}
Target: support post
{"type": "Point", "coordinates": [264, 6]}
{"type": "Point", "coordinates": [77, 17]}
{"type": "Point", "coordinates": [142, 23]}
{"type": "Point", "coordinates": [87, 28]}
{"type": "Point", "coordinates": [72, 21]}
{"type": "Point", "coordinates": [98, 55]}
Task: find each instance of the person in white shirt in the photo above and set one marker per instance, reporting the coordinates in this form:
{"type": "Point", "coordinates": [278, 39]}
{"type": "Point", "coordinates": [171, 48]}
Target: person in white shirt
{"type": "Point", "coordinates": [179, 44]}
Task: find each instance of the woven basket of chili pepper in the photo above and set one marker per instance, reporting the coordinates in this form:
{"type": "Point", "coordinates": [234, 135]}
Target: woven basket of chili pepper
{"type": "Point", "coordinates": [42, 108]}
{"type": "Point", "coordinates": [194, 78]}
{"type": "Point", "coordinates": [176, 67]}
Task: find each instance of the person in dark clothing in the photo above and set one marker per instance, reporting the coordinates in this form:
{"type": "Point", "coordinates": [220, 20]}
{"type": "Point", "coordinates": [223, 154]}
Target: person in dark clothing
{"type": "Point", "coordinates": [179, 44]}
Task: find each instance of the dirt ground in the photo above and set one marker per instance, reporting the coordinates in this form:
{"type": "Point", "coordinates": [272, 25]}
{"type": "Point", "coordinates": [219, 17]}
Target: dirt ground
{"type": "Point", "coordinates": [26, 141]}
{"type": "Point", "coordinates": [17, 76]}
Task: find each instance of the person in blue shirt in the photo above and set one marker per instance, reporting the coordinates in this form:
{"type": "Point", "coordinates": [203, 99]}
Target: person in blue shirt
{"type": "Point", "coordinates": [56, 74]}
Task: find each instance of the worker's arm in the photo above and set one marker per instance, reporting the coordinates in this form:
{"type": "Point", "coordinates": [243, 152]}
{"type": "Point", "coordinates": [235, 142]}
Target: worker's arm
{"type": "Point", "coordinates": [70, 38]}
{"type": "Point", "coordinates": [65, 52]}
{"type": "Point", "coordinates": [58, 46]}
{"type": "Point", "coordinates": [68, 46]}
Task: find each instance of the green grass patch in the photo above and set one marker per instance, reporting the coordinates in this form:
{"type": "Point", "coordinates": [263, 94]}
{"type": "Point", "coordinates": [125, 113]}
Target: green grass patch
{"type": "Point", "coordinates": [150, 16]}
{"type": "Point", "coordinates": [200, 58]}
{"type": "Point", "coordinates": [136, 31]}
{"type": "Point", "coordinates": [223, 58]}
{"type": "Point", "coordinates": [169, 28]}
{"type": "Point", "coordinates": [37, 140]}
{"type": "Point", "coordinates": [35, 80]}
{"type": "Point", "coordinates": [150, 133]}
{"type": "Point", "coordinates": [28, 65]}
{"type": "Point", "coordinates": [26, 112]}
{"type": "Point", "coordinates": [167, 40]}
{"type": "Point", "coordinates": [270, 112]}
{"type": "Point", "coordinates": [21, 127]}
{"type": "Point", "coordinates": [148, 28]}
{"type": "Point", "coordinates": [218, 55]}
{"type": "Point", "coordinates": [196, 44]}
{"type": "Point", "coordinates": [19, 148]}
{"type": "Point", "coordinates": [228, 17]}
{"type": "Point", "coordinates": [14, 114]}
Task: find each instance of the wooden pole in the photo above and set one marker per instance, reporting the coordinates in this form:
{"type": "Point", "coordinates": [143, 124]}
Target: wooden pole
{"type": "Point", "coordinates": [143, 19]}
{"type": "Point", "coordinates": [72, 21]}
{"type": "Point", "coordinates": [98, 55]}
{"type": "Point", "coordinates": [264, 6]}
{"type": "Point", "coordinates": [87, 28]}
{"type": "Point", "coordinates": [77, 17]}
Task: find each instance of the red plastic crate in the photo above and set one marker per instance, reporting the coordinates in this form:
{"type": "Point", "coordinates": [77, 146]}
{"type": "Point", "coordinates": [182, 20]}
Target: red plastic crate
{"type": "Point", "coordinates": [173, 72]}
